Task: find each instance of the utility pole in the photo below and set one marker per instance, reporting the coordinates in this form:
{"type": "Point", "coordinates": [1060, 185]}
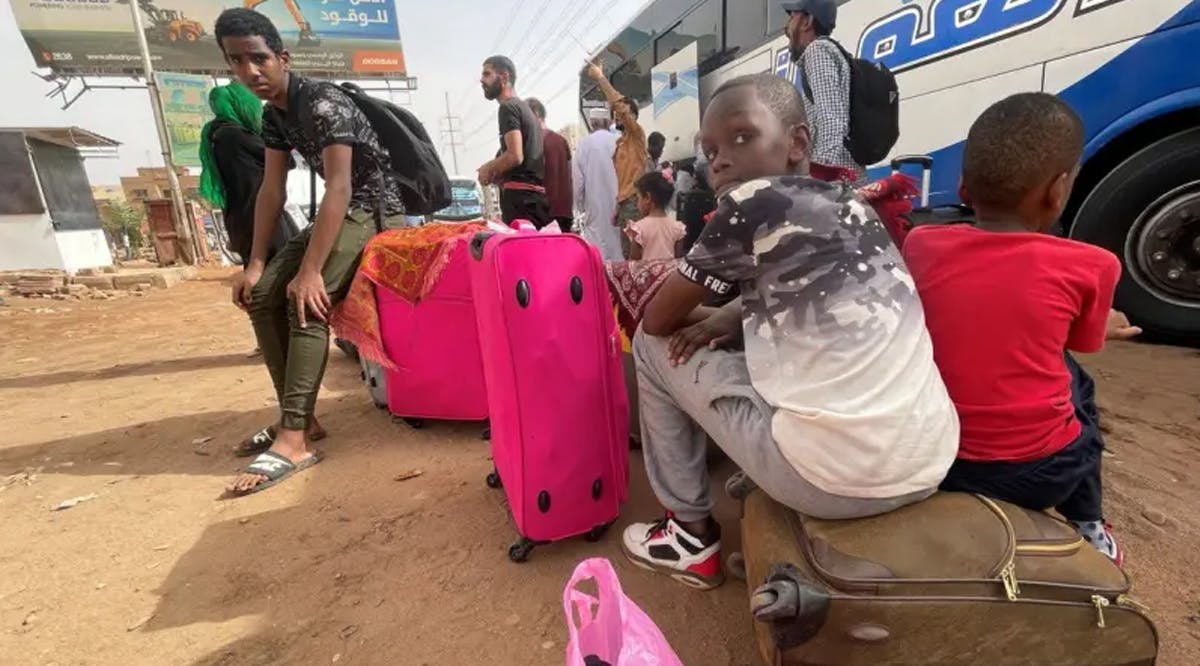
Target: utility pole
{"type": "Point", "coordinates": [453, 131]}
{"type": "Point", "coordinates": [182, 226]}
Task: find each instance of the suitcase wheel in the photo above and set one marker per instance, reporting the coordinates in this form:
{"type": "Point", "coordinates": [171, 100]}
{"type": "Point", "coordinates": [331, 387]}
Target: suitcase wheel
{"type": "Point", "coordinates": [487, 434]}
{"type": "Point", "coordinates": [739, 486]}
{"type": "Point", "coordinates": [519, 551]}
{"type": "Point", "coordinates": [735, 566]}
{"type": "Point", "coordinates": [597, 533]}
{"type": "Point", "coordinates": [493, 480]}
{"type": "Point", "coordinates": [415, 424]}
{"type": "Point", "coordinates": [777, 600]}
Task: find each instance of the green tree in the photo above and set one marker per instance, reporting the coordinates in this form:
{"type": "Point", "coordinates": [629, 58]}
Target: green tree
{"type": "Point", "coordinates": [123, 220]}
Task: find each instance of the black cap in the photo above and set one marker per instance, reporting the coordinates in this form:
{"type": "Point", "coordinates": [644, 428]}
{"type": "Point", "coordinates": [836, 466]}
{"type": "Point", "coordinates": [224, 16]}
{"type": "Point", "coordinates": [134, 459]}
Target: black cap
{"type": "Point", "coordinates": [824, 12]}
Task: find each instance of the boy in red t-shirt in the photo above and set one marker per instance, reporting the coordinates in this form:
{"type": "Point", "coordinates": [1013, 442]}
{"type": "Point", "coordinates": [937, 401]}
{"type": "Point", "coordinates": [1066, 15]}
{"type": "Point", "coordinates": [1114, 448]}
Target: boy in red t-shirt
{"type": "Point", "coordinates": [1005, 301]}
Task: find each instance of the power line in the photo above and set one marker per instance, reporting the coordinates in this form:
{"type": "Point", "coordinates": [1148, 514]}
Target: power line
{"type": "Point", "coordinates": [552, 61]}
{"type": "Point", "coordinates": [541, 44]}
{"type": "Point", "coordinates": [471, 137]}
{"type": "Point", "coordinates": [452, 131]}
{"type": "Point", "coordinates": [532, 24]}
{"type": "Point", "coordinates": [541, 55]}
{"type": "Point", "coordinates": [499, 39]}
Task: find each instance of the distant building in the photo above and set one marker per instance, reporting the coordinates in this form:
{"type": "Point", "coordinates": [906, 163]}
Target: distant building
{"type": "Point", "coordinates": [103, 195]}
{"type": "Point", "coordinates": [153, 183]}
{"type": "Point", "coordinates": [48, 218]}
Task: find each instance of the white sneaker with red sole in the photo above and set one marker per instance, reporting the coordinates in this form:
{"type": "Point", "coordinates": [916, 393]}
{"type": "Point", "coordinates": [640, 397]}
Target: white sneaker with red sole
{"type": "Point", "coordinates": [664, 546]}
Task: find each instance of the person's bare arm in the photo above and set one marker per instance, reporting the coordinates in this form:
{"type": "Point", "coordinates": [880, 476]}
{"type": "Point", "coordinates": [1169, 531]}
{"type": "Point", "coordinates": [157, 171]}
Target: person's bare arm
{"type": "Point", "coordinates": [621, 113]}
{"type": "Point", "coordinates": [707, 327]}
{"type": "Point", "coordinates": [511, 158]}
{"type": "Point", "coordinates": [268, 205]}
{"type": "Point", "coordinates": [670, 308]}
{"type": "Point", "coordinates": [308, 287]}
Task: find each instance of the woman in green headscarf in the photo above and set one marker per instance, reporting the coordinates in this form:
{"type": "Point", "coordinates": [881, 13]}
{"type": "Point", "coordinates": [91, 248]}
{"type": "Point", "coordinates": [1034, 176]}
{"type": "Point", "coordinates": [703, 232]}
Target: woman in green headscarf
{"type": "Point", "coordinates": [232, 157]}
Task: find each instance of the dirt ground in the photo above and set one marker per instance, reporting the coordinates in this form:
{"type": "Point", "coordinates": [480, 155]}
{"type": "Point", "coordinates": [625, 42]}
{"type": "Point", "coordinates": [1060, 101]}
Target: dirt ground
{"type": "Point", "coordinates": [117, 400]}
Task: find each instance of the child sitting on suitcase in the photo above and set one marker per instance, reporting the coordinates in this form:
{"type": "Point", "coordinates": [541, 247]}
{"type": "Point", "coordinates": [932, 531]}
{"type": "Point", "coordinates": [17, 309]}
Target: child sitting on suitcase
{"type": "Point", "coordinates": [656, 235]}
{"type": "Point", "coordinates": [1006, 301]}
{"type": "Point", "coordinates": [835, 408]}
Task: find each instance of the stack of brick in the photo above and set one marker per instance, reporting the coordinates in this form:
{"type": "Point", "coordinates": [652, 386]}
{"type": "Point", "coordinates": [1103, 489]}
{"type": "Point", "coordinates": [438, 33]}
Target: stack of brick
{"type": "Point", "coordinates": [97, 283]}
{"type": "Point", "coordinates": [40, 283]}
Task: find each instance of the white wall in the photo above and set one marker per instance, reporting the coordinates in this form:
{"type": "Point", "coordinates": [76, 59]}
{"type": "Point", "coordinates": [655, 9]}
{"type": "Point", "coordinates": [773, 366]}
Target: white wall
{"type": "Point", "coordinates": [28, 241]}
{"type": "Point", "coordinates": [84, 249]}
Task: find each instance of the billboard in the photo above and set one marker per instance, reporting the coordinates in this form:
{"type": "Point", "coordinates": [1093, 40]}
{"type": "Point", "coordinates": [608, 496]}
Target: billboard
{"type": "Point", "coordinates": [359, 38]}
{"type": "Point", "coordinates": [185, 110]}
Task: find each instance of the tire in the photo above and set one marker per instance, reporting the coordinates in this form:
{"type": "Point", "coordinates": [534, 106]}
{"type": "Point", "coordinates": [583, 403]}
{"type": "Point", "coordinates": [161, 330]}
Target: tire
{"type": "Point", "coordinates": [1147, 212]}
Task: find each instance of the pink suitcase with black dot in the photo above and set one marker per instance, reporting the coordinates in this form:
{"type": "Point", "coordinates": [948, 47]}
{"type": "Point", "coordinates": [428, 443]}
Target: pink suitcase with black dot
{"type": "Point", "coordinates": [556, 393]}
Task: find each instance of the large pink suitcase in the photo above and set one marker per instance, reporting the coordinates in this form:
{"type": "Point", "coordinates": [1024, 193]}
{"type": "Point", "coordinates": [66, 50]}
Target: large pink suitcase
{"type": "Point", "coordinates": [552, 361]}
{"type": "Point", "coordinates": [435, 346]}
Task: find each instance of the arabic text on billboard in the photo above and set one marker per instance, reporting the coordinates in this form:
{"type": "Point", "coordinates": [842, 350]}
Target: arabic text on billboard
{"type": "Point", "coordinates": [360, 37]}
{"type": "Point", "coordinates": [185, 108]}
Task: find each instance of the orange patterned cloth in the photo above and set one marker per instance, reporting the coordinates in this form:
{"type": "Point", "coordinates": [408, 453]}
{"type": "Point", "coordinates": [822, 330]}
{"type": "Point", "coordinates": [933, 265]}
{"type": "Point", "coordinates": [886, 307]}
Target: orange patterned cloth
{"type": "Point", "coordinates": [408, 262]}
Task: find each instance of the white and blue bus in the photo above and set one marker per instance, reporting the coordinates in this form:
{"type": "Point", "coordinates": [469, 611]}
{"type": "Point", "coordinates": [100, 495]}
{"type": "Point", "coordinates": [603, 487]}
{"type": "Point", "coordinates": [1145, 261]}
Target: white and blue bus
{"type": "Point", "coordinates": [1129, 67]}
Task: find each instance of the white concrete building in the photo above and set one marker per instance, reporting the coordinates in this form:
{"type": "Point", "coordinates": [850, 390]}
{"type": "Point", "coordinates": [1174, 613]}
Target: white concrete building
{"type": "Point", "coordinates": [48, 218]}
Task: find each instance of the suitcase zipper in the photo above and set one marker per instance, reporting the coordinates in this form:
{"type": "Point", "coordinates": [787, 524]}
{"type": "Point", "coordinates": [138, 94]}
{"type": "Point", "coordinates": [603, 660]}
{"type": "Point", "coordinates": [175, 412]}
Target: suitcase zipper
{"type": "Point", "coordinates": [1008, 573]}
{"type": "Point", "coordinates": [1049, 549]}
{"type": "Point", "coordinates": [1100, 603]}
{"type": "Point", "coordinates": [1129, 602]}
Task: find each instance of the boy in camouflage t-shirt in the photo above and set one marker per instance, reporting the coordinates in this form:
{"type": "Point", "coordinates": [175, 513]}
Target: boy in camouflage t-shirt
{"type": "Point", "coordinates": [835, 407]}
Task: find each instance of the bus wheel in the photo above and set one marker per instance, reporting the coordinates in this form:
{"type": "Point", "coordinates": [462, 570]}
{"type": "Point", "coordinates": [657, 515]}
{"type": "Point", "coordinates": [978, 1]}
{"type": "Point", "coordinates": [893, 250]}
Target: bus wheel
{"type": "Point", "coordinates": [1147, 212]}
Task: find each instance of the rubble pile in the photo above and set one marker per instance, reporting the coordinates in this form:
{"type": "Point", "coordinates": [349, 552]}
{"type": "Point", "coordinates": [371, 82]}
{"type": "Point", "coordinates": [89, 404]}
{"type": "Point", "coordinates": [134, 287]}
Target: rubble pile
{"type": "Point", "coordinates": [90, 283]}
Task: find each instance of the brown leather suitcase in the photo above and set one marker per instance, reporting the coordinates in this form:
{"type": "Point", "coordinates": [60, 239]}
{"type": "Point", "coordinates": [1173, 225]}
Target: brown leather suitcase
{"type": "Point", "coordinates": [956, 580]}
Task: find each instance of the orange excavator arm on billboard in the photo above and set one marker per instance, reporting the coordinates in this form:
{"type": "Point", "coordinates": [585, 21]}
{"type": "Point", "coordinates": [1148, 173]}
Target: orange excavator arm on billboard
{"type": "Point", "coordinates": [307, 36]}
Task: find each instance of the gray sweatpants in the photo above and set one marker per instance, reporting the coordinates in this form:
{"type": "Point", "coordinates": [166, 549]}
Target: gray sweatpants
{"type": "Point", "coordinates": [712, 394]}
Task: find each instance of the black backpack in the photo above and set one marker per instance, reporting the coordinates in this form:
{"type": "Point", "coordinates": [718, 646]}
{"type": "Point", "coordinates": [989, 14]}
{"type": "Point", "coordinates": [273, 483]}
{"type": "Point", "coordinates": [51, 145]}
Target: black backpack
{"type": "Point", "coordinates": [874, 123]}
{"type": "Point", "coordinates": [414, 163]}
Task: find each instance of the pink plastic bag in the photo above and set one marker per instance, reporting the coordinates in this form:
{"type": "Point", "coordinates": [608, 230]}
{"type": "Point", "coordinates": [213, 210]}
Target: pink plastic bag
{"type": "Point", "coordinates": [612, 627]}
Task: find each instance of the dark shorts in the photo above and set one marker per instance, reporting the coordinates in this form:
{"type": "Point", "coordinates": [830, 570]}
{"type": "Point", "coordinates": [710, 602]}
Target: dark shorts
{"type": "Point", "coordinates": [1068, 480]}
{"type": "Point", "coordinates": [524, 205]}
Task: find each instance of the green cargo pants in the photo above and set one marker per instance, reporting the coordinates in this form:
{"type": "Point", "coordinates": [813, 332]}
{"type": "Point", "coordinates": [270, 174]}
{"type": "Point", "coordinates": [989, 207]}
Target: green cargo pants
{"type": "Point", "coordinates": [296, 356]}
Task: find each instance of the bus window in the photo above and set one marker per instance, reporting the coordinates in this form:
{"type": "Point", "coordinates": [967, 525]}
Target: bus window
{"type": "Point", "coordinates": [632, 79]}
{"type": "Point", "coordinates": [745, 25]}
{"type": "Point", "coordinates": [702, 25]}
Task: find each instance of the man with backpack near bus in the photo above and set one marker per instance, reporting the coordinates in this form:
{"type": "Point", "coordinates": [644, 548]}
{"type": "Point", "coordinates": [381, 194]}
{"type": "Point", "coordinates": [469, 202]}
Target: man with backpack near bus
{"type": "Point", "coordinates": [852, 104]}
{"type": "Point", "coordinates": [290, 297]}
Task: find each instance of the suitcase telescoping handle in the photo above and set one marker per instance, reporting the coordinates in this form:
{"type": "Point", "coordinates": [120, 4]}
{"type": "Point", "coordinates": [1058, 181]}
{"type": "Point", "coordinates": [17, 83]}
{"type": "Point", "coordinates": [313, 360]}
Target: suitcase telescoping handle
{"type": "Point", "coordinates": [926, 163]}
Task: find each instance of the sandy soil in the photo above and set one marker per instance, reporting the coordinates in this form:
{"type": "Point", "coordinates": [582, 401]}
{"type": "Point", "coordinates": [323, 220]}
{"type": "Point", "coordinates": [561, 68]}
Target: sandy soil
{"type": "Point", "coordinates": [345, 564]}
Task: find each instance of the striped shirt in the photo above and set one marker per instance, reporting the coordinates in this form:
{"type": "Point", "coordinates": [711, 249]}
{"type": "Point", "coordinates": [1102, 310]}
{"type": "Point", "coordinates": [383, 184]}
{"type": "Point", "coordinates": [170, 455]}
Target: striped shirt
{"type": "Point", "coordinates": [827, 102]}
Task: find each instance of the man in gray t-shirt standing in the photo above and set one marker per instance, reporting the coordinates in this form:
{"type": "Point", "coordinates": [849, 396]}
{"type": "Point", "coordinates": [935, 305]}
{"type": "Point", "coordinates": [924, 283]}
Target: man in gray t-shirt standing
{"type": "Point", "coordinates": [825, 81]}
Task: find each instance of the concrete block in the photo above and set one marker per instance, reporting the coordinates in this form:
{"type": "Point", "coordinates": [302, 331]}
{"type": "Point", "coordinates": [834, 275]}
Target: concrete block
{"type": "Point", "coordinates": [95, 281]}
{"type": "Point", "coordinates": [166, 279]}
{"type": "Point", "coordinates": [128, 280]}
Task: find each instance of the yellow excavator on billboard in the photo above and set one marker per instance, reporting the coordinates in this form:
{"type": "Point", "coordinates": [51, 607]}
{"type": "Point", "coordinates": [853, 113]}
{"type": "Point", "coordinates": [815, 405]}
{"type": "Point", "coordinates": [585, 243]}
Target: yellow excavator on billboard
{"type": "Point", "coordinates": [307, 36]}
